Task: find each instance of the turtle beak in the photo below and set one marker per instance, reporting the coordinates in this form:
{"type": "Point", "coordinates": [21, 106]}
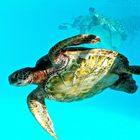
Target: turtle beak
{"type": "Point", "coordinates": [15, 82]}
{"type": "Point", "coordinates": [14, 79]}
{"type": "Point", "coordinates": [11, 80]}
{"type": "Point", "coordinates": [20, 77]}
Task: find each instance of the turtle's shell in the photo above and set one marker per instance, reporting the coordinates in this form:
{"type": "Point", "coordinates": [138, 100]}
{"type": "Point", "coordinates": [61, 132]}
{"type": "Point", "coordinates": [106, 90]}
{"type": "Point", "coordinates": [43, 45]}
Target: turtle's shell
{"type": "Point", "coordinates": [88, 72]}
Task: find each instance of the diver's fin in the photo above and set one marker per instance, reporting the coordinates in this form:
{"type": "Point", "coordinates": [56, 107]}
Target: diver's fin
{"type": "Point", "coordinates": [36, 104]}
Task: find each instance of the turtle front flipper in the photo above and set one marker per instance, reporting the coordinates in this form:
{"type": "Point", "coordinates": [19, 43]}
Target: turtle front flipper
{"type": "Point", "coordinates": [55, 55]}
{"type": "Point", "coordinates": [36, 104]}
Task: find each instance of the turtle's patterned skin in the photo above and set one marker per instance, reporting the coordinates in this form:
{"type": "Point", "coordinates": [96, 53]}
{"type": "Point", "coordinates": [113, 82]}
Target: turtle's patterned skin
{"type": "Point", "coordinates": [71, 74]}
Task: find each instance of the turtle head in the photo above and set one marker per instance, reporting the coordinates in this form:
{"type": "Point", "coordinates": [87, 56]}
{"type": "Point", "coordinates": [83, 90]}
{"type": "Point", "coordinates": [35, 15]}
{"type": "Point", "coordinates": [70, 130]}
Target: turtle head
{"type": "Point", "coordinates": [21, 77]}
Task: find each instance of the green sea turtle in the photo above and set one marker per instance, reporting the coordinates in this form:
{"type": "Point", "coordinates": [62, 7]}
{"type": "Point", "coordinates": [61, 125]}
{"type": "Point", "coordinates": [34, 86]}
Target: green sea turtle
{"type": "Point", "coordinates": [74, 73]}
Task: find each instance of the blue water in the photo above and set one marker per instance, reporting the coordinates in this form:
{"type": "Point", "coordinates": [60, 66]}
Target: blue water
{"type": "Point", "coordinates": [28, 29]}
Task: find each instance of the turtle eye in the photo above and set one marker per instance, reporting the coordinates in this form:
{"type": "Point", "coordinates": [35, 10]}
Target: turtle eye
{"type": "Point", "coordinates": [16, 75]}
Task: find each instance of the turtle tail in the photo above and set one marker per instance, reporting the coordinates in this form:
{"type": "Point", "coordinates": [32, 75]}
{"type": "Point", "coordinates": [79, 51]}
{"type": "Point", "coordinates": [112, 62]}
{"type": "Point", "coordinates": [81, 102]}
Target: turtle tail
{"type": "Point", "coordinates": [133, 70]}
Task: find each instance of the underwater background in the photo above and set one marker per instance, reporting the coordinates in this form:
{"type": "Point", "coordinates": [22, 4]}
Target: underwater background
{"type": "Point", "coordinates": [28, 29]}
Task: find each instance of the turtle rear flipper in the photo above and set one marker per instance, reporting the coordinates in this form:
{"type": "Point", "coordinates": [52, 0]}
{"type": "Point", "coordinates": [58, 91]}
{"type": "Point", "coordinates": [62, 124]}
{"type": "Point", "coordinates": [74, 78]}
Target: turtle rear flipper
{"type": "Point", "coordinates": [133, 70]}
{"type": "Point", "coordinates": [125, 83]}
